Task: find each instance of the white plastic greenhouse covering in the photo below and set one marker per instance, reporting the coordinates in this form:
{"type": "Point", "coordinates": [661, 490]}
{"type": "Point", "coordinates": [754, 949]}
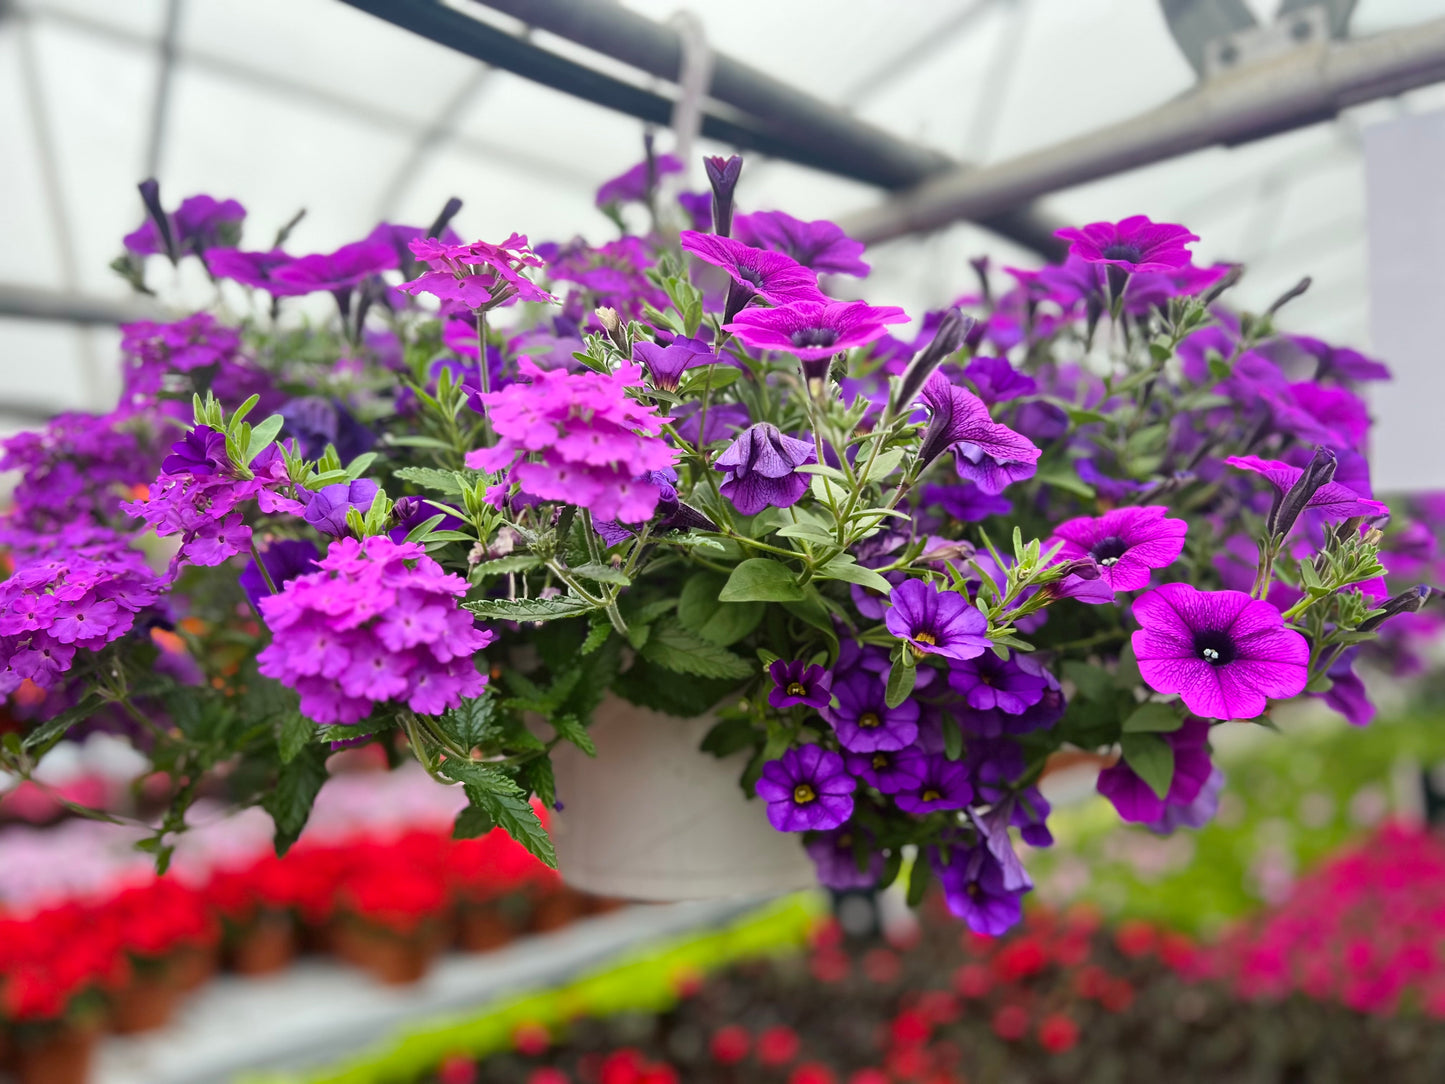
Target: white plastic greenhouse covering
{"type": "Point", "coordinates": [285, 104]}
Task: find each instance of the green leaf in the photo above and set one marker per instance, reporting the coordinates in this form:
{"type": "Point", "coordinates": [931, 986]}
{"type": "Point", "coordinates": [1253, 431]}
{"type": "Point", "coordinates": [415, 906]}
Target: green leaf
{"type": "Point", "coordinates": [472, 822]}
{"type": "Point", "coordinates": [680, 649]}
{"type": "Point", "coordinates": [289, 801]}
{"type": "Point", "coordinates": [421, 530]}
{"type": "Point", "coordinates": [570, 728]}
{"type": "Point", "coordinates": [528, 609]}
{"type": "Point", "coordinates": [812, 532]}
{"type": "Point", "coordinates": [502, 800]}
{"type": "Point", "coordinates": [891, 865]}
{"type": "Point", "coordinates": [849, 571]}
{"type": "Point", "coordinates": [262, 436]}
{"type": "Point", "coordinates": [760, 579]}
{"type": "Point", "coordinates": [44, 737]}
{"type": "Point", "coordinates": [474, 723]}
{"type": "Point", "coordinates": [918, 880]}
{"type": "Point", "coordinates": [440, 481]}
{"type": "Point", "coordinates": [952, 737]}
{"type": "Point", "coordinates": [1152, 759]}
{"type": "Point", "coordinates": [730, 736]}
{"type": "Point", "coordinates": [901, 679]}
{"type": "Point", "coordinates": [886, 463]}
{"type": "Point", "coordinates": [710, 377]}
{"type": "Point", "coordinates": [359, 466]}
{"type": "Point", "coordinates": [294, 733]}
{"type": "Point", "coordinates": [650, 686]}
{"type": "Point", "coordinates": [700, 609]}
{"type": "Point", "coordinates": [1093, 682]}
{"type": "Point", "coordinates": [502, 566]}
{"type": "Point", "coordinates": [1067, 481]}
{"type": "Point", "coordinates": [537, 776]}
{"type": "Point", "coordinates": [1153, 718]}
{"type": "Point", "coordinates": [596, 637]}
{"type": "Point", "coordinates": [603, 574]}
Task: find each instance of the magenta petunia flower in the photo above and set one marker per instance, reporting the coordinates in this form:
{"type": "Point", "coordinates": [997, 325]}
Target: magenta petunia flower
{"type": "Point", "coordinates": [989, 454]}
{"type": "Point", "coordinates": [1126, 544]}
{"type": "Point", "coordinates": [1332, 500]}
{"type": "Point", "coordinates": [821, 245]}
{"type": "Point", "coordinates": [199, 223]}
{"type": "Point", "coordinates": [339, 270]}
{"type": "Point", "coordinates": [1133, 244]}
{"type": "Point", "coordinates": [797, 683]}
{"type": "Point", "coordinates": [777, 279]}
{"type": "Point", "coordinates": [814, 330]}
{"type": "Point", "coordinates": [807, 790]}
{"type": "Point", "coordinates": [1223, 652]}
{"type": "Point", "coordinates": [935, 622]}
{"type": "Point", "coordinates": [636, 183]}
{"type": "Point", "coordinates": [254, 269]}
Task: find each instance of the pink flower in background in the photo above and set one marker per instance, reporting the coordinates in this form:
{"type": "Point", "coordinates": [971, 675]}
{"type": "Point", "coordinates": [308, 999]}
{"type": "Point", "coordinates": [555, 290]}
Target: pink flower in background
{"type": "Point", "coordinates": [1132, 244]}
{"type": "Point", "coordinates": [1127, 544]}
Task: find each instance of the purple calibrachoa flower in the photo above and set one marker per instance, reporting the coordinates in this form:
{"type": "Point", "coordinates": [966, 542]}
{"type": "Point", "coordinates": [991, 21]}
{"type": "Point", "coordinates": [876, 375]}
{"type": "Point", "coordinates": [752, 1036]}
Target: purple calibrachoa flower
{"type": "Point", "coordinates": [1132, 244]}
{"type": "Point", "coordinates": [807, 790]}
{"type": "Point", "coordinates": [863, 720]}
{"type": "Point", "coordinates": [974, 889]}
{"type": "Point", "coordinates": [821, 245]}
{"type": "Point", "coordinates": [336, 271]}
{"type": "Point", "coordinates": [1136, 801]}
{"type": "Point", "coordinates": [836, 861]}
{"type": "Point", "coordinates": [666, 364]}
{"type": "Point", "coordinates": [814, 330]}
{"type": "Point", "coordinates": [762, 468]}
{"type": "Point", "coordinates": [797, 683]}
{"type": "Point", "coordinates": [935, 622]}
{"type": "Point", "coordinates": [1332, 500]}
{"type": "Point", "coordinates": [1127, 544]}
{"type": "Point", "coordinates": [989, 454]}
{"type": "Point", "coordinates": [936, 783]}
{"type": "Point", "coordinates": [777, 279]}
{"type": "Point", "coordinates": [987, 683]}
{"type": "Point", "coordinates": [888, 771]}
{"type": "Point", "coordinates": [1223, 652]}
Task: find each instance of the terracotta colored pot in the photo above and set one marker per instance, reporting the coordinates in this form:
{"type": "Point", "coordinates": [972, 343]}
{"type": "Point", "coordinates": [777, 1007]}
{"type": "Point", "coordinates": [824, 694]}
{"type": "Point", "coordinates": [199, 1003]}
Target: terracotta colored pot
{"type": "Point", "coordinates": [266, 945]}
{"type": "Point", "coordinates": [396, 959]}
{"type": "Point", "coordinates": [194, 967]}
{"type": "Point", "coordinates": [63, 1058]}
{"type": "Point", "coordinates": [482, 927]}
{"type": "Point", "coordinates": [147, 1003]}
{"type": "Point", "coordinates": [558, 908]}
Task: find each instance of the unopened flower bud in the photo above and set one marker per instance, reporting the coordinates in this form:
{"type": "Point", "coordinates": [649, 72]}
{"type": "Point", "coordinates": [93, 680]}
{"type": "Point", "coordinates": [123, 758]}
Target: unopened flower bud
{"type": "Point", "coordinates": [722, 174]}
{"type": "Point", "coordinates": [611, 322]}
{"type": "Point", "coordinates": [950, 338]}
{"type": "Point", "coordinates": [1083, 567]}
{"type": "Point", "coordinates": [150, 194]}
{"type": "Point", "coordinates": [1287, 507]}
{"type": "Point", "coordinates": [1406, 602]}
{"type": "Point", "coordinates": [443, 220]}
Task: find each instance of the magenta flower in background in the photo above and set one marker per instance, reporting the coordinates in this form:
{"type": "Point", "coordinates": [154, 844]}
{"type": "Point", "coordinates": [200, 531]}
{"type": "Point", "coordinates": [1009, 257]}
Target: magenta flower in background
{"type": "Point", "coordinates": [1136, 801]}
{"type": "Point", "coordinates": [1339, 362]}
{"type": "Point", "coordinates": [777, 279]}
{"type": "Point", "coordinates": [937, 783]}
{"type": "Point", "coordinates": [379, 621]}
{"type": "Point", "coordinates": [762, 468]}
{"type": "Point", "coordinates": [1126, 544]}
{"type": "Point", "coordinates": [199, 223]}
{"type": "Point", "coordinates": [336, 271]}
{"type": "Point", "coordinates": [1223, 652]}
{"type": "Point", "coordinates": [479, 275]}
{"type": "Point", "coordinates": [666, 364]}
{"type": "Point", "coordinates": [797, 683]}
{"type": "Point", "coordinates": [836, 861]}
{"type": "Point", "coordinates": [989, 454]}
{"type": "Point", "coordinates": [1332, 500]}
{"type": "Point", "coordinates": [935, 622]}
{"type": "Point", "coordinates": [1133, 244]}
{"type": "Point", "coordinates": [253, 269]}
{"type": "Point", "coordinates": [987, 682]}
{"type": "Point", "coordinates": [579, 438]}
{"type": "Point", "coordinates": [807, 790]}
{"type": "Point", "coordinates": [636, 184]}
{"type": "Point", "coordinates": [814, 330]}
{"type": "Point", "coordinates": [863, 720]}
{"type": "Point", "coordinates": [821, 246]}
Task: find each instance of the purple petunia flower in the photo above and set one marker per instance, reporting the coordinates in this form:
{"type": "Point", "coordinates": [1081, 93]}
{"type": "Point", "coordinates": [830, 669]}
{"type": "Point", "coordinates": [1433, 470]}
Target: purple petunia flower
{"type": "Point", "coordinates": [777, 279]}
{"type": "Point", "coordinates": [965, 501]}
{"type": "Point", "coordinates": [1195, 814]}
{"type": "Point", "coordinates": [199, 223]}
{"type": "Point", "coordinates": [974, 889]}
{"type": "Point", "coordinates": [1133, 244]}
{"type": "Point", "coordinates": [888, 771]}
{"type": "Point", "coordinates": [1332, 500]}
{"type": "Point", "coordinates": [724, 420]}
{"type": "Point", "coordinates": [988, 683]}
{"type": "Point", "coordinates": [814, 330]}
{"type": "Point", "coordinates": [989, 454]}
{"type": "Point", "coordinates": [807, 790]}
{"type": "Point", "coordinates": [996, 381]}
{"type": "Point", "coordinates": [335, 271]}
{"type": "Point", "coordinates": [1223, 652]}
{"type": "Point", "coordinates": [315, 422]}
{"type": "Point", "coordinates": [836, 861]}
{"type": "Point", "coordinates": [326, 508]}
{"type": "Point", "coordinates": [1136, 801]}
{"type": "Point", "coordinates": [863, 720]}
{"type": "Point", "coordinates": [936, 783]}
{"type": "Point", "coordinates": [636, 184]}
{"type": "Point", "coordinates": [1347, 693]}
{"type": "Point", "coordinates": [762, 468]}
{"type": "Point", "coordinates": [698, 206]}
{"type": "Point", "coordinates": [797, 683]}
{"type": "Point", "coordinates": [935, 622]}
{"type": "Point", "coordinates": [822, 245]}
{"type": "Point", "coordinates": [285, 559]}
{"type": "Point", "coordinates": [253, 269]}
{"type": "Point", "coordinates": [666, 364]}
{"type": "Point", "coordinates": [1126, 544]}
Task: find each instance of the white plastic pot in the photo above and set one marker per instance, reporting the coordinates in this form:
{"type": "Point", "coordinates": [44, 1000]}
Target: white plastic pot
{"type": "Point", "coordinates": [654, 818]}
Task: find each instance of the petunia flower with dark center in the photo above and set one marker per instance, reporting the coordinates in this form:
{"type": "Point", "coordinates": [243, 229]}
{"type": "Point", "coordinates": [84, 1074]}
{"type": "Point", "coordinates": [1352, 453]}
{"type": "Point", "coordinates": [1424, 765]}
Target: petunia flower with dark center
{"type": "Point", "coordinates": [814, 330]}
{"type": "Point", "coordinates": [1127, 544]}
{"type": "Point", "coordinates": [989, 454]}
{"type": "Point", "coordinates": [935, 622]}
{"type": "Point", "coordinates": [796, 683]}
{"type": "Point", "coordinates": [1132, 244]}
{"type": "Point", "coordinates": [762, 467]}
{"type": "Point", "coordinates": [777, 279]}
{"type": "Point", "coordinates": [863, 720]}
{"type": "Point", "coordinates": [806, 789]}
{"type": "Point", "coordinates": [974, 889]}
{"type": "Point", "coordinates": [1225, 653]}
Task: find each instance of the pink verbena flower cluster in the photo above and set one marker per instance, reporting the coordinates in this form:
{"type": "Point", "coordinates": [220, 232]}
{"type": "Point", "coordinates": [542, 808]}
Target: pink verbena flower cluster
{"type": "Point", "coordinates": [478, 275]}
{"type": "Point", "coordinates": [84, 593]}
{"type": "Point", "coordinates": [379, 621]}
{"type": "Point", "coordinates": [577, 437]}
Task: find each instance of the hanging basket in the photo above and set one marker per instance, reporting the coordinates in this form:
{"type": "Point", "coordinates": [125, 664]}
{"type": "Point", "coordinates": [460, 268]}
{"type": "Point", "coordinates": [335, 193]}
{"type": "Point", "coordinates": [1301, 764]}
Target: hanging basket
{"type": "Point", "coordinates": [654, 818]}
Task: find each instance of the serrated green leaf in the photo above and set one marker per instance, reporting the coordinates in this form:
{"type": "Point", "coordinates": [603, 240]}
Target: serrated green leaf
{"type": "Point", "coordinates": [472, 823]}
{"type": "Point", "coordinates": [596, 637]}
{"type": "Point", "coordinates": [528, 609]}
{"type": "Point", "coordinates": [701, 610]}
{"type": "Point", "coordinates": [537, 776]}
{"type": "Point", "coordinates": [289, 802]}
{"type": "Point", "coordinates": [603, 574]}
{"type": "Point", "coordinates": [502, 566]}
{"type": "Point", "coordinates": [293, 733]}
{"type": "Point", "coordinates": [760, 579]}
{"type": "Point", "coordinates": [439, 481]}
{"type": "Point", "coordinates": [1152, 760]}
{"type": "Point", "coordinates": [680, 649]}
{"type": "Point", "coordinates": [570, 728]}
{"type": "Point", "coordinates": [1153, 718]}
